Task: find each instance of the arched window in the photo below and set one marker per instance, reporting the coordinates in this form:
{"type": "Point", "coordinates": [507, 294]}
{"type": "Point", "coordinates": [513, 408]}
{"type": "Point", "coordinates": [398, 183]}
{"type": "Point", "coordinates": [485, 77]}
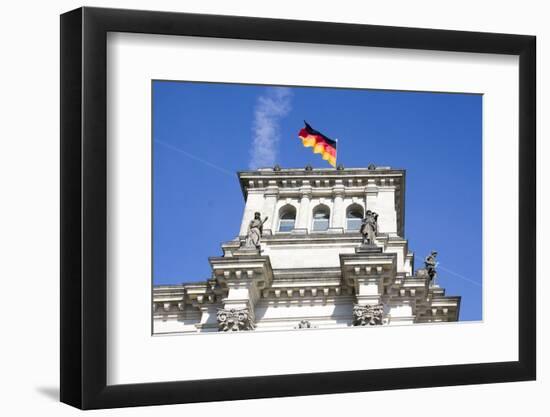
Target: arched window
{"type": "Point", "coordinates": [287, 218]}
{"type": "Point", "coordinates": [321, 218]}
{"type": "Point", "coordinates": [354, 217]}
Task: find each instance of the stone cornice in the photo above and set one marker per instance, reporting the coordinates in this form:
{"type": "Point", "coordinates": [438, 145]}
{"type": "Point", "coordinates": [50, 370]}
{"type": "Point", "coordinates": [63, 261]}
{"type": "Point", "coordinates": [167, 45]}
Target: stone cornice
{"type": "Point", "coordinates": [368, 263]}
{"type": "Point", "coordinates": [306, 274]}
{"type": "Point", "coordinates": [350, 179]}
{"type": "Point", "coordinates": [363, 278]}
{"type": "Point", "coordinates": [313, 238]}
{"type": "Point", "coordinates": [237, 270]}
{"type": "Point", "coordinates": [267, 174]}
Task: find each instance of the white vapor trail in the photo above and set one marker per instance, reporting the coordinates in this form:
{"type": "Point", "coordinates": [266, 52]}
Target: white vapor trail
{"type": "Point", "coordinates": [270, 108]}
{"type": "Point", "coordinates": [456, 274]}
{"type": "Point", "coordinates": [196, 158]}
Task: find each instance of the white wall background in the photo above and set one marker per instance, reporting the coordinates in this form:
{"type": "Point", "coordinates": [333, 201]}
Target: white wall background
{"type": "Point", "coordinates": [29, 228]}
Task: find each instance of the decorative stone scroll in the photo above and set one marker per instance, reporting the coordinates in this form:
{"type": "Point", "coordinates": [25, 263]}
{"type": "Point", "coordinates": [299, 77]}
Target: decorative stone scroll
{"type": "Point", "coordinates": [234, 320]}
{"type": "Point", "coordinates": [368, 315]}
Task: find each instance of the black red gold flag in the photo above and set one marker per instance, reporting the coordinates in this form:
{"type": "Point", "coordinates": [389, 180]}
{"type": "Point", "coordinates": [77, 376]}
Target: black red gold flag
{"type": "Point", "coordinates": [320, 143]}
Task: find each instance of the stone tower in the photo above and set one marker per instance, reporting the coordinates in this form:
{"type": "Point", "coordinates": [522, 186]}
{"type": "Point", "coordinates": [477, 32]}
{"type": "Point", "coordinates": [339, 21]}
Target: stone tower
{"type": "Point", "coordinates": [313, 268]}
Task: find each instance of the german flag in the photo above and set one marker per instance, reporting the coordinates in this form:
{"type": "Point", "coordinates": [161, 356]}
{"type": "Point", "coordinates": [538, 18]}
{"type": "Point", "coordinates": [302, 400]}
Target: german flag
{"type": "Point", "coordinates": [320, 143]}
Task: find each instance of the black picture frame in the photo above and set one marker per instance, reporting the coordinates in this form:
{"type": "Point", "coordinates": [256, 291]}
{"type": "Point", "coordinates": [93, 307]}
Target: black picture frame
{"type": "Point", "coordinates": [84, 207]}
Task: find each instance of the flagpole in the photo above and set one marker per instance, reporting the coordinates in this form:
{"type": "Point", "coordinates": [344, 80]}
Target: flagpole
{"type": "Point", "coordinates": [336, 161]}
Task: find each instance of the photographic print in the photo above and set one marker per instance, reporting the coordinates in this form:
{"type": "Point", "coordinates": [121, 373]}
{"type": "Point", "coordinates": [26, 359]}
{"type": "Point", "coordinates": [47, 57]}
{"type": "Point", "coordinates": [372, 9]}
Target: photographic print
{"type": "Point", "coordinates": [327, 186]}
{"type": "Point", "coordinates": [284, 207]}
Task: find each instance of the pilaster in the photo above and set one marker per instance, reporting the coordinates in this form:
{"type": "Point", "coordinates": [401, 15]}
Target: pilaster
{"type": "Point", "coordinates": [369, 275]}
{"type": "Point", "coordinates": [338, 216]}
{"type": "Point", "coordinates": [244, 277]}
{"type": "Point", "coordinates": [271, 195]}
{"type": "Point", "coordinates": [304, 211]}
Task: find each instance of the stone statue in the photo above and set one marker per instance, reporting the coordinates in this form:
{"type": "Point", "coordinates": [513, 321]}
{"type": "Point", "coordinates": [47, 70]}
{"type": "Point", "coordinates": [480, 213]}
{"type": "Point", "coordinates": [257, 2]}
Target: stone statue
{"type": "Point", "coordinates": [369, 227]}
{"type": "Point", "coordinates": [430, 263]}
{"type": "Point", "coordinates": [255, 230]}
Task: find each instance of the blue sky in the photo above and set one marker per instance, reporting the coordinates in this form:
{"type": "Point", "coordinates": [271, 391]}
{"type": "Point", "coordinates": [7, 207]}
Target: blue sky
{"type": "Point", "coordinates": [204, 132]}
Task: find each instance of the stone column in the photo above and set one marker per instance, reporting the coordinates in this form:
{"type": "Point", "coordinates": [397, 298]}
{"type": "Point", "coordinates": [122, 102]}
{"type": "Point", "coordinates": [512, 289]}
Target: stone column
{"type": "Point", "coordinates": [271, 195]}
{"type": "Point", "coordinates": [338, 215]}
{"type": "Point", "coordinates": [302, 222]}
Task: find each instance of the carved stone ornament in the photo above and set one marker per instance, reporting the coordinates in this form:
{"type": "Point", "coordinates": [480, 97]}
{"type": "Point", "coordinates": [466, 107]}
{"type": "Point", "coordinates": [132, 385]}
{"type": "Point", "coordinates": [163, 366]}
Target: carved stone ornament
{"type": "Point", "coordinates": [368, 315]}
{"type": "Point", "coordinates": [234, 320]}
{"type": "Point", "coordinates": [304, 324]}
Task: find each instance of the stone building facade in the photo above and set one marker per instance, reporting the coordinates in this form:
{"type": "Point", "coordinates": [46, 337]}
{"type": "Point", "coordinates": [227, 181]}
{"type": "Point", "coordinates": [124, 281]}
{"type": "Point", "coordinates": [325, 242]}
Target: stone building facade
{"type": "Point", "coordinates": [313, 268]}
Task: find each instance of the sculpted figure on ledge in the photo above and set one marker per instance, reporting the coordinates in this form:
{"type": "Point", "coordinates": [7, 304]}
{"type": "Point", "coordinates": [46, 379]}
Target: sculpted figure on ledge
{"type": "Point", "coordinates": [255, 230]}
{"type": "Point", "coordinates": [369, 227]}
{"type": "Point", "coordinates": [430, 263]}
